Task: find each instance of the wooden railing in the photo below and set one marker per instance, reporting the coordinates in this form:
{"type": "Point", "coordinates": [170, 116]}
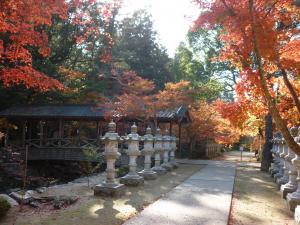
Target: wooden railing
{"type": "Point", "coordinates": [63, 143]}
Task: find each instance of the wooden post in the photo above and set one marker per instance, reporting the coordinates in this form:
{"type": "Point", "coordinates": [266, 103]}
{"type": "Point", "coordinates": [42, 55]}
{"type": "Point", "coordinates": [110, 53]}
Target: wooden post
{"type": "Point", "coordinates": [6, 136]}
{"type": "Point", "coordinates": [24, 133]}
{"type": "Point", "coordinates": [171, 127]}
{"type": "Point", "coordinates": [45, 130]}
{"type": "Point", "coordinates": [60, 131]}
{"type": "Point", "coordinates": [41, 133]}
{"type": "Point", "coordinates": [179, 139]}
{"type": "Point", "coordinates": [29, 129]}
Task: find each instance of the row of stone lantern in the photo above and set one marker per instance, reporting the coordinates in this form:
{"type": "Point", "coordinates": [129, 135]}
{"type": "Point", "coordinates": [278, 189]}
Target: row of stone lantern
{"type": "Point", "coordinates": [153, 145]}
{"type": "Point", "coordinates": [286, 170]}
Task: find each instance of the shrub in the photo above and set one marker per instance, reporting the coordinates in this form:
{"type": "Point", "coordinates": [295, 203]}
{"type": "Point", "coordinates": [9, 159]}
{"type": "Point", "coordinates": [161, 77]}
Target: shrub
{"type": "Point", "coordinates": [4, 207]}
{"type": "Point", "coordinates": [122, 171]}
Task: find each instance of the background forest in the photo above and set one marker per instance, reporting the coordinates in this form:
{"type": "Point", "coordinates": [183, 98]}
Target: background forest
{"type": "Point", "coordinates": [87, 52]}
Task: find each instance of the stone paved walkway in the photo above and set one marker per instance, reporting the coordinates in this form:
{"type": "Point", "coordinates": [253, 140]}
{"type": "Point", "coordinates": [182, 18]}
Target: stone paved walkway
{"type": "Point", "coordinates": [202, 199]}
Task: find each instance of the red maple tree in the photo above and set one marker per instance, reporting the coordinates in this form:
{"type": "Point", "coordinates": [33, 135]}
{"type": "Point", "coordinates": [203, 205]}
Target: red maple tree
{"type": "Point", "coordinates": [260, 39]}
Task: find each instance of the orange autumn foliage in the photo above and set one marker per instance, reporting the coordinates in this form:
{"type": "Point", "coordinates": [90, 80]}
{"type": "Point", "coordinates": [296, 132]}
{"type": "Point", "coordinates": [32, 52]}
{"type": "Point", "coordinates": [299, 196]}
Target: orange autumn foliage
{"type": "Point", "coordinates": [261, 39]}
{"type": "Point", "coordinates": [208, 124]}
{"type": "Point", "coordinates": [22, 28]}
{"type": "Point", "coordinates": [19, 22]}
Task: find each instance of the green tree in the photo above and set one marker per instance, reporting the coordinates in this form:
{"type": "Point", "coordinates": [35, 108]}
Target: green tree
{"type": "Point", "coordinates": [194, 61]}
{"type": "Point", "coordinates": [207, 46]}
{"type": "Point", "coordinates": [137, 49]}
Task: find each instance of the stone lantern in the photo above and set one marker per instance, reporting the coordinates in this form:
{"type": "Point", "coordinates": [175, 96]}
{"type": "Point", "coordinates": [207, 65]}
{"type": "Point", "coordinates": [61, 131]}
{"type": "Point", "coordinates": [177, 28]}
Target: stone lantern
{"type": "Point", "coordinates": [132, 178]}
{"type": "Point", "coordinates": [110, 187]}
{"type": "Point", "coordinates": [285, 178]}
{"type": "Point", "coordinates": [158, 148]}
{"type": "Point", "coordinates": [292, 184]}
{"type": "Point", "coordinates": [293, 199]}
{"type": "Point", "coordinates": [172, 152]}
{"type": "Point", "coordinates": [275, 151]}
{"type": "Point", "coordinates": [148, 151]}
{"type": "Point", "coordinates": [281, 160]}
{"type": "Point", "coordinates": [166, 149]}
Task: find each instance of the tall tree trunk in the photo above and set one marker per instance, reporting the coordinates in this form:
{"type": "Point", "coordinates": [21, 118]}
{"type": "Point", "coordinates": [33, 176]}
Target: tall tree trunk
{"type": "Point", "coordinates": [280, 123]}
{"type": "Point", "coordinates": [291, 89]}
{"type": "Point", "coordinates": [266, 153]}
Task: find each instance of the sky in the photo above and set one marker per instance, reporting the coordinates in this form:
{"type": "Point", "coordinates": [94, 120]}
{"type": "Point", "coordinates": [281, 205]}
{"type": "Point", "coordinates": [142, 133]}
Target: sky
{"type": "Point", "coordinates": [172, 18]}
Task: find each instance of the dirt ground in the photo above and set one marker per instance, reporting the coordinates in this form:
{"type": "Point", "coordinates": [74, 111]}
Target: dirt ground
{"type": "Point", "coordinates": [90, 210]}
{"type": "Point", "coordinates": [257, 201]}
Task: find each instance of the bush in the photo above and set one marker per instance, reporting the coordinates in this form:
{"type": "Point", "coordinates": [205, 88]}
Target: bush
{"type": "Point", "coordinates": [4, 207]}
{"type": "Point", "coordinates": [122, 171]}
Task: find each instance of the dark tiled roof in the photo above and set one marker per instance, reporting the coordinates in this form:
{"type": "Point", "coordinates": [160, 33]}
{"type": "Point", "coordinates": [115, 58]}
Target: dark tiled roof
{"type": "Point", "coordinates": [53, 111]}
{"type": "Point", "coordinates": [81, 111]}
{"type": "Point", "coordinates": [180, 113]}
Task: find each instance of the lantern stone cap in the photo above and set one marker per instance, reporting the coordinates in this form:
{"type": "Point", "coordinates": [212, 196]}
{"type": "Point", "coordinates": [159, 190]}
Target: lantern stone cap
{"type": "Point", "coordinates": [158, 136]}
{"type": "Point", "coordinates": [277, 138]}
{"type": "Point", "coordinates": [133, 136]}
{"type": "Point", "coordinates": [166, 137]}
{"type": "Point", "coordinates": [148, 136]}
{"type": "Point", "coordinates": [111, 135]}
{"type": "Point", "coordinates": [294, 131]}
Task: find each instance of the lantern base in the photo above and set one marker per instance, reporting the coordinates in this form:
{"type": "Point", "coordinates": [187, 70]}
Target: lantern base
{"type": "Point", "coordinates": [167, 166]}
{"type": "Point", "coordinates": [287, 188]}
{"type": "Point", "coordinates": [174, 164]}
{"type": "Point", "coordinates": [159, 170]}
{"type": "Point", "coordinates": [111, 190]}
{"type": "Point", "coordinates": [148, 174]}
{"type": "Point", "coordinates": [293, 199]}
{"type": "Point", "coordinates": [132, 180]}
{"type": "Point", "coordinates": [282, 181]}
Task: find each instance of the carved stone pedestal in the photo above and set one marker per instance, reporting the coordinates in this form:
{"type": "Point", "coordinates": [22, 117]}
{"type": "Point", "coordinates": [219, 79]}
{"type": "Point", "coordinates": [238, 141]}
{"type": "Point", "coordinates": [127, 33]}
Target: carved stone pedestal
{"type": "Point", "coordinates": [285, 178]}
{"type": "Point", "coordinates": [293, 199]}
{"type": "Point", "coordinates": [275, 151]}
{"type": "Point", "coordinates": [110, 187]}
{"type": "Point", "coordinates": [158, 150]}
{"type": "Point", "coordinates": [292, 185]}
{"type": "Point", "coordinates": [172, 152]}
{"type": "Point", "coordinates": [166, 148]}
{"type": "Point", "coordinates": [281, 162]}
{"type": "Point", "coordinates": [297, 214]}
{"type": "Point", "coordinates": [132, 178]}
{"type": "Point", "coordinates": [148, 150]}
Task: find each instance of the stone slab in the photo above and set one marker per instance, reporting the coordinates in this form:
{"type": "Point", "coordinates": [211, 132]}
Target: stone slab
{"type": "Point", "coordinates": [284, 190]}
{"type": "Point", "coordinates": [204, 198]}
{"type": "Point", "coordinates": [22, 198]}
{"type": "Point", "coordinates": [168, 167]}
{"type": "Point", "coordinates": [12, 202]}
{"type": "Point", "coordinates": [132, 180]}
{"type": "Point", "coordinates": [292, 202]}
{"type": "Point", "coordinates": [115, 190]}
{"type": "Point", "coordinates": [148, 175]}
{"type": "Point", "coordinates": [297, 215]}
{"type": "Point", "coordinates": [160, 171]}
{"type": "Point", "coordinates": [280, 183]}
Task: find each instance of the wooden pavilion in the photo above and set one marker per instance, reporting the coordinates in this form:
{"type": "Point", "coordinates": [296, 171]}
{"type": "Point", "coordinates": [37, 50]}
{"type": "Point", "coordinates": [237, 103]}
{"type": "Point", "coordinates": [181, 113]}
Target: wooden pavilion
{"type": "Point", "coordinates": [60, 132]}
